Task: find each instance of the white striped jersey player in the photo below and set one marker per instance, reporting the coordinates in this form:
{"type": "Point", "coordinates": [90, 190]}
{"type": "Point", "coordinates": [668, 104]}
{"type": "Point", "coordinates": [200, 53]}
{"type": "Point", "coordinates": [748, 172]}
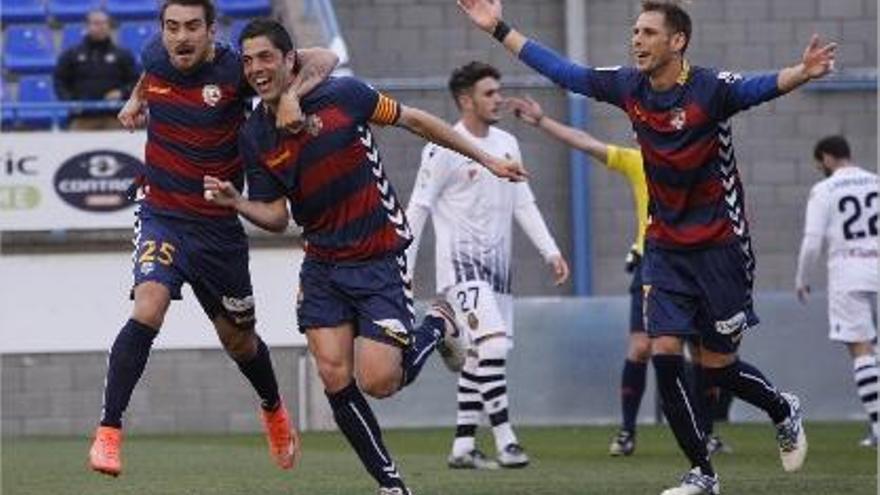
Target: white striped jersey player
{"type": "Point", "coordinates": [843, 213]}
{"type": "Point", "coordinates": [473, 213]}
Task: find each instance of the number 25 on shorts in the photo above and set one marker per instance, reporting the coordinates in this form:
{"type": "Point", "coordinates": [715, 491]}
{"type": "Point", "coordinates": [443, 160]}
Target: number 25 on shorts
{"type": "Point", "coordinates": [163, 253]}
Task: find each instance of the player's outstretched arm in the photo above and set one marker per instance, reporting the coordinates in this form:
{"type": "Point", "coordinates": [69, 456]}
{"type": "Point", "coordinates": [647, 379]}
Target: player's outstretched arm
{"type": "Point", "coordinates": [530, 111]}
{"type": "Point", "coordinates": [271, 216]}
{"type": "Point", "coordinates": [817, 62]}
{"type": "Point", "coordinates": [435, 130]}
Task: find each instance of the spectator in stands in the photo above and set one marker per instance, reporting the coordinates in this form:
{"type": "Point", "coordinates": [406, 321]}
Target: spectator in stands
{"type": "Point", "coordinates": [96, 69]}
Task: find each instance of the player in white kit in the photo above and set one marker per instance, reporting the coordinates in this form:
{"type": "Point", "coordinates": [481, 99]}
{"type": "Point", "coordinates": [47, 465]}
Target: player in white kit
{"type": "Point", "coordinates": [843, 212]}
{"type": "Point", "coordinates": [473, 216]}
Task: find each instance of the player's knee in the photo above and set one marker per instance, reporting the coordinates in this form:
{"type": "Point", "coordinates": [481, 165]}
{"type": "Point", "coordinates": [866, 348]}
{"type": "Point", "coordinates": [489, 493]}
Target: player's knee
{"type": "Point", "coordinates": [335, 375]}
{"type": "Point", "coordinates": [639, 349]}
{"type": "Point", "coordinates": [242, 346]}
{"type": "Point", "coordinates": [379, 387]}
{"type": "Point", "coordinates": [666, 344]}
{"type": "Point", "coordinates": [709, 359]}
{"type": "Point", "coordinates": [151, 301]}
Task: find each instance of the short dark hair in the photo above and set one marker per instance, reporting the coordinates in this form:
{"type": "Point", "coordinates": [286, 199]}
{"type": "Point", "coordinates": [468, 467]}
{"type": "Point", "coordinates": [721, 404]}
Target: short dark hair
{"type": "Point", "coordinates": [835, 146]}
{"type": "Point", "coordinates": [273, 30]}
{"type": "Point", "coordinates": [464, 77]}
{"type": "Point", "coordinates": [675, 17]}
{"type": "Point", "coordinates": [206, 5]}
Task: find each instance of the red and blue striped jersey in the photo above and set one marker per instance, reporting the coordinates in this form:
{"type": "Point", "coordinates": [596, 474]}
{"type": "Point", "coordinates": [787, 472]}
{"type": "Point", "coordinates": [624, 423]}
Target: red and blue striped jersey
{"type": "Point", "coordinates": [193, 129]}
{"type": "Point", "coordinates": [696, 196]}
{"type": "Point", "coordinates": [331, 172]}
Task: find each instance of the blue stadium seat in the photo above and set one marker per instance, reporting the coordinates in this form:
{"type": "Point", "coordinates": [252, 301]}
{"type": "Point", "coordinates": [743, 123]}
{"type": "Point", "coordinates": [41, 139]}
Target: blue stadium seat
{"type": "Point", "coordinates": [6, 97]}
{"type": "Point", "coordinates": [233, 30]}
{"type": "Point", "coordinates": [22, 11]}
{"type": "Point", "coordinates": [134, 35]}
{"type": "Point", "coordinates": [72, 10]}
{"type": "Point", "coordinates": [133, 9]}
{"type": "Point", "coordinates": [29, 49]}
{"type": "Point", "coordinates": [38, 88]}
{"type": "Point", "coordinates": [244, 8]}
{"type": "Point", "coordinates": [72, 35]}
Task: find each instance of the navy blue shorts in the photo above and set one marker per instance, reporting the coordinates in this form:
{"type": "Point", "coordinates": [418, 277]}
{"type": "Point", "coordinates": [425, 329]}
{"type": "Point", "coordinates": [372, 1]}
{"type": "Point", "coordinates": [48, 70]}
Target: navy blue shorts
{"type": "Point", "coordinates": [703, 293]}
{"type": "Point", "coordinates": [375, 295]}
{"type": "Point", "coordinates": [636, 296]}
{"type": "Point", "coordinates": [210, 256]}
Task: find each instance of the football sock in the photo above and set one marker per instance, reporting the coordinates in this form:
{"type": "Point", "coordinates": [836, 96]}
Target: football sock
{"type": "Point", "coordinates": [865, 373]}
{"type": "Point", "coordinates": [422, 343]}
{"type": "Point", "coordinates": [679, 410]}
{"type": "Point", "coordinates": [721, 405]}
{"type": "Point", "coordinates": [258, 370]}
{"type": "Point", "coordinates": [357, 422]}
{"type": "Point", "coordinates": [632, 388]}
{"type": "Point", "coordinates": [470, 407]}
{"type": "Point", "coordinates": [747, 383]}
{"type": "Point", "coordinates": [128, 358]}
{"type": "Point", "coordinates": [492, 379]}
{"type": "Point", "coordinates": [705, 396]}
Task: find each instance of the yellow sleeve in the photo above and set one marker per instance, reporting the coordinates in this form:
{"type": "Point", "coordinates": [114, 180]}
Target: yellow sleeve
{"type": "Point", "coordinates": [629, 163]}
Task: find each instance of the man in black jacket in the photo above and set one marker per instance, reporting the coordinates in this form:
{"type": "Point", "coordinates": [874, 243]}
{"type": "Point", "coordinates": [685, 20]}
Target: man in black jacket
{"type": "Point", "coordinates": [96, 69]}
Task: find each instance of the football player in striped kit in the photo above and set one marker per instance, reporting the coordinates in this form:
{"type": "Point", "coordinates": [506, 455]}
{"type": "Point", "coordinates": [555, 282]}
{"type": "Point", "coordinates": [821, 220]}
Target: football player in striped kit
{"type": "Point", "coordinates": [842, 213]}
{"type": "Point", "coordinates": [698, 261]}
{"type": "Point", "coordinates": [473, 214]}
{"type": "Point", "coordinates": [355, 301]}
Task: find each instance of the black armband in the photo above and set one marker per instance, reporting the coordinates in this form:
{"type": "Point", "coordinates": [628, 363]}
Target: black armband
{"type": "Point", "coordinates": [501, 31]}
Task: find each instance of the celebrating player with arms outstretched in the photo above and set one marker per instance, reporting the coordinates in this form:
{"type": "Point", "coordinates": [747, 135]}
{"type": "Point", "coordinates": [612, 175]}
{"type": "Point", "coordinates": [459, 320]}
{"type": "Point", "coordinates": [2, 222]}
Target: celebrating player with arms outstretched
{"type": "Point", "coordinates": [196, 98]}
{"type": "Point", "coordinates": [698, 258]}
{"type": "Point", "coordinates": [472, 212]}
{"type": "Point", "coordinates": [353, 281]}
{"type": "Point", "coordinates": [842, 212]}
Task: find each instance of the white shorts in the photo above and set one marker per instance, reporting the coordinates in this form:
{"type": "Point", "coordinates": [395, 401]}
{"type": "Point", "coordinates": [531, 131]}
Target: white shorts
{"type": "Point", "coordinates": [480, 310]}
{"type": "Point", "coordinates": [852, 316]}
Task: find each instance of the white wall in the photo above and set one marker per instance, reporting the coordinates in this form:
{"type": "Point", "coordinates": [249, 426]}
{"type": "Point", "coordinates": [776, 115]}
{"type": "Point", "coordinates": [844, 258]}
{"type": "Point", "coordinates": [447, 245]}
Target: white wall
{"type": "Point", "coordinates": [78, 302]}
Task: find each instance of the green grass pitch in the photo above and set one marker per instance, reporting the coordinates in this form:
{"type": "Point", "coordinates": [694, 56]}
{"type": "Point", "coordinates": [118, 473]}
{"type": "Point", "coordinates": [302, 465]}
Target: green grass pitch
{"type": "Point", "coordinates": [566, 460]}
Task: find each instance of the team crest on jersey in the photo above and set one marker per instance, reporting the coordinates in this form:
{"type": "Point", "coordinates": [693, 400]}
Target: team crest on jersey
{"type": "Point", "coordinates": [211, 94]}
{"type": "Point", "coordinates": [313, 125]}
{"type": "Point", "coordinates": [472, 320]}
{"type": "Point", "coordinates": [147, 267]}
{"type": "Point", "coordinates": [678, 118]}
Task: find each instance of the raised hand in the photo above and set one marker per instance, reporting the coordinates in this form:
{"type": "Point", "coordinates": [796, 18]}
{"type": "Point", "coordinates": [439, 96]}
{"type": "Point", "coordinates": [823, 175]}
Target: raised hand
{"type": "Point", "coordinates": [818, 60]}
{"type": "Point", "coordinates": [525, 109]}
{"type": "Point", "coordinates": [484, 13]}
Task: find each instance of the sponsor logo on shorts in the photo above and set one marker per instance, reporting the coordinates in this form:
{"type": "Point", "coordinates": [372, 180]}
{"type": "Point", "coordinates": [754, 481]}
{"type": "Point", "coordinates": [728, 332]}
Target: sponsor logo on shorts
{"type": "Point", "coordinates": [240, 310]}
{"type": "Point", "coordinates": [735, 324]}
{"type": "Point", "coordinates": [394, 329]}
{"type": "Point", "coordinates": [238, 305]}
